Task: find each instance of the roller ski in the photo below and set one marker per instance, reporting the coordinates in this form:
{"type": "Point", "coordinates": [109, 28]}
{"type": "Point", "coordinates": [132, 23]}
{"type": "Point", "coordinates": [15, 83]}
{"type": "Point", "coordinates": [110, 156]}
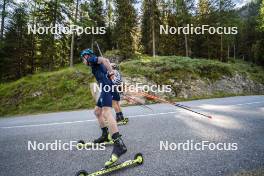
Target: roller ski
{"type": "Point", "coordinates": [138, 160]}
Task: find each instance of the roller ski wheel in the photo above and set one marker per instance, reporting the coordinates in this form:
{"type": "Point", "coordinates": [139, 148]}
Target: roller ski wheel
{"type": "Point", "coordinates": [81, 173]}
{"type": "Point", "coordinates": [138, 160]}
{"type": "Point", "coordinates": [122, 122]}
{"type": "Point", "coordinates": [112, 161]}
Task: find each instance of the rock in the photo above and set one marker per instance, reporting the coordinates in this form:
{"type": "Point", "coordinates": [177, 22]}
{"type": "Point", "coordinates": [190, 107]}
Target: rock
{"type": "Point", "coordinates": [191, 88]}
{"type": "Point", "coordinates": [37, 94]}
{"type": "Point", "coordinates": [238, 84]}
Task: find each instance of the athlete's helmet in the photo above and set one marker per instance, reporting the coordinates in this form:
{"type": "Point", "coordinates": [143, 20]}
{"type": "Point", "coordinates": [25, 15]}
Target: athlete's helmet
{"type": "Point", "coordinates": [87, 51]}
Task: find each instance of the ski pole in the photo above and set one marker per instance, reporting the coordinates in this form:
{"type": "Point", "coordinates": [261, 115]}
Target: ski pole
{"type": "Point", "coordinates": [177, 104]}
{"type": "Point", "coordinates": [134, 100]}
{"type": "Point", "coordinates": [186, 108]}
{"type": "Point", "coordinates": [98, 48]}
{"type": "Point", "coordinates": [174, 104]}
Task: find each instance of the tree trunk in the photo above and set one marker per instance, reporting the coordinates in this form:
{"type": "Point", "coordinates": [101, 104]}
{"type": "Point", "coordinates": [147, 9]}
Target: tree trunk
{"type": "Point", "coordinates": [53, 36]}
{"type": "Point", "coordinates": [221, 52]}
{"type": "Point", "coordinates": [153, 39]}
{"type": "Point", "coordinates": [92, 44]}
{"type": "Point", "coordinates": [153, 34]}
{"type": "Point", "coordinates": [208, 52]}
{"type": "Point", "coordinates": [186, 46]}
{"type": "Point", "coordinates": [72, 40]}
{"type": "Point", "coordinates": [228, 52]}
{"type": "Point", "coordinates": [3, 20]}
{"type": "Point", "coordinates": [234, 52]}
{"type": "Point", "coordinates": [32, 67]}
{"type": "Point", "coordinates": [221, 42]}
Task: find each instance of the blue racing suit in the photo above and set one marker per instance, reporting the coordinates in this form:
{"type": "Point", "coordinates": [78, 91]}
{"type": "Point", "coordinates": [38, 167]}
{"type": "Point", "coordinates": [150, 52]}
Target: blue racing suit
{"type": "Point", "coordinates": [101, 76]}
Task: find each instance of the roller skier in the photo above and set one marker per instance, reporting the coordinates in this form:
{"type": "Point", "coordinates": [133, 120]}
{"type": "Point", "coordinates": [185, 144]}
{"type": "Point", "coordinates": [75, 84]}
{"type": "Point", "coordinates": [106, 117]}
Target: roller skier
{"type": "Point", "coordinates": [120, 119]}
{"type": "Point", "coordinates": [105, 75]}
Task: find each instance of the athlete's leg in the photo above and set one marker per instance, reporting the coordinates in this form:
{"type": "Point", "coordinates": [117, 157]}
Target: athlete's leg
{"type": "Point", "coordinates": [119, 146]}
{"type": "Point", "coordinates": [116, 106]}
{"type": "Point", "coordinates": [107, 113]}
{"type": "Point", "coordinates": [99, 115]}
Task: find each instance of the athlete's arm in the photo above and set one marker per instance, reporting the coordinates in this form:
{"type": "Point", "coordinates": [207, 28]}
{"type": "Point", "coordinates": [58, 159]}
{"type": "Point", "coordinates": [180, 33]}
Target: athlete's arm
{"type": "Point", "coordinates": [106, 62]}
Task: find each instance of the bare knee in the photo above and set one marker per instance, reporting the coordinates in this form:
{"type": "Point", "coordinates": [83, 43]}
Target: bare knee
{"type": "Point", "coordinates": [98, 112]}
{"type": "Point", "coordinates": [106, 111]}
{"type": "Point", "coordinates": [115, 105]}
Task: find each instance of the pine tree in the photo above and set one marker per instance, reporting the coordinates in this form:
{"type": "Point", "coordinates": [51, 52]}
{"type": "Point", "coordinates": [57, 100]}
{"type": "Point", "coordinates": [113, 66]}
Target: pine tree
{"type": "Point", "coordinates": [226, 18]}
{"type": "Point", "coordinates": [5, 7]}
{"type": "Point", "coordinates": [97, 16]}
{"type": "Point", "coordinates": [257, 47]}
{"type": "Point", "coordinates": [3, 16]}
{"type": "Point", "coordinates": [176, 13]}
{"type": "Point", "coordinates": [184, 9]}
{"type": "Point", "coordinates": [205, 45]}
{"type": "Point", "coordinates": [168, 42]}
{"type": "Point", "coordinates": [109, 24]}
{"type": "Point", "coordinates": [261, 16]}
{"type": "Point", "coordinates": [49, 14]}
{"type": "Point", "coordinates": [249, 33]}
{"type": "Point", "coordinates": [151, 21]}
{"type": "Point", "coordinates": [126, 21]}
{"type": "Point", "coordinates": [17, 45]}
{"type": "Point", "coordinates": [93, 15]}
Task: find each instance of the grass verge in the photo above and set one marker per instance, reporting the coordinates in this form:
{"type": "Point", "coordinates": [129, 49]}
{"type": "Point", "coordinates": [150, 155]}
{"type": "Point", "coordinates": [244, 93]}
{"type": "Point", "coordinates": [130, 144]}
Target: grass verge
{"type": "Point", "coordinates": [68, 88]}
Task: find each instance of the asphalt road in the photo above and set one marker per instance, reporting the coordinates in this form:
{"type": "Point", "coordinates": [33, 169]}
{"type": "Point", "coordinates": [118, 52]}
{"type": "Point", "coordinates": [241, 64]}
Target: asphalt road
{"type": "Point", "coordinates": [237, 120]}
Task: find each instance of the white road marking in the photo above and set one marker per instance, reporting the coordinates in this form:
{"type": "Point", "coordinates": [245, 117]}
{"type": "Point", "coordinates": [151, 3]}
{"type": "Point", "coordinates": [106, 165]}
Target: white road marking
{"type": "Point", "coordinates": [93, 120]}
{"type": "Point", "coordinates": [47, 124]}
{"type": "Point", "coordinates": [257, 102]}
{"type": "Point", "coordinates": [81, 121]}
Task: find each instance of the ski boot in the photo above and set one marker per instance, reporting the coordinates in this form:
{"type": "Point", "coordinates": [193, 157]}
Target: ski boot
{"type": "Point", "coordinates": [120, 120]}
{"type": "Point", "coordinates": [118, 150]}
{"type": "Point", "coordinates": [103, 139]}
{"type": "Point", "coordinates": [106, 140]}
